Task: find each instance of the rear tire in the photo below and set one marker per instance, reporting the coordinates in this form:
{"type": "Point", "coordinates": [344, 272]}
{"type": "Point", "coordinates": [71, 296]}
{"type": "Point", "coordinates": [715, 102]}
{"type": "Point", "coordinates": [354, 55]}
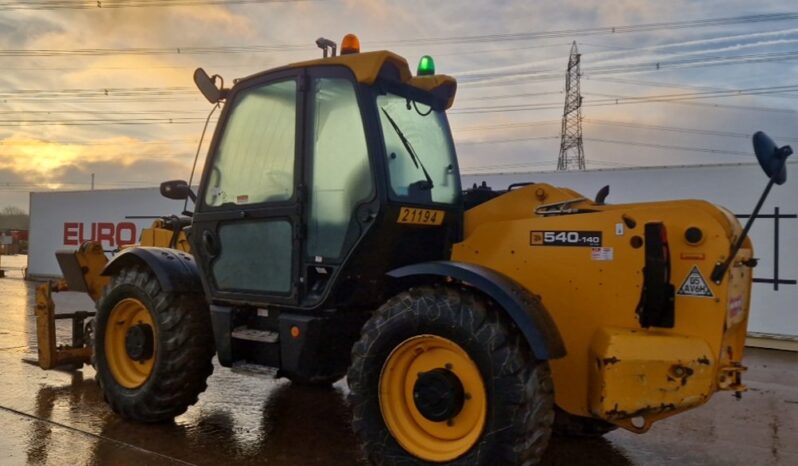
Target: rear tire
{"type": "Point", "coordinates": [570, 425]}
{"type": "Point", "coordinates": [518, 390]}
{"type": "Point", "coordinates": [180, 345]}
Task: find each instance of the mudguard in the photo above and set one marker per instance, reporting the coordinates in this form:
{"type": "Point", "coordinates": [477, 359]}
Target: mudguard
{"type": "Point", "coordinates": [534, 321]}
{"type": "Point", "coordinates": [176, 270]}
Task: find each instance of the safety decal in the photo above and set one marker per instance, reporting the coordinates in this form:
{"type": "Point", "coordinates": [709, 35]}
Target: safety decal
{"type": "Point", "coordinates": [695, 285]}
{"type": "Point", "coordinates": [590, 239]}
{"type": "Point", "coordinates": [735, 308]}
{"type": "Point", "coordinates": [601, 254]}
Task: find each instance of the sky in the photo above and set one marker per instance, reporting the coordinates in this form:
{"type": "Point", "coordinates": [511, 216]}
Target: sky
{"type": "Point", "coordinates": [108, 91]}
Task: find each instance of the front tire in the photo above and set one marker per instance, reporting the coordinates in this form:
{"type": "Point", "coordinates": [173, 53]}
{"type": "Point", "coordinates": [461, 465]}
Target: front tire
{"type": "Point", "coordinates": [152, 348]}
{"type": "Point", "coordinates": [429, 346]}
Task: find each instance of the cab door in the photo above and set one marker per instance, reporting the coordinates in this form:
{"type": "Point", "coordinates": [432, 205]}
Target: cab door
{"type": "Point", "coordinates": [246, 228]}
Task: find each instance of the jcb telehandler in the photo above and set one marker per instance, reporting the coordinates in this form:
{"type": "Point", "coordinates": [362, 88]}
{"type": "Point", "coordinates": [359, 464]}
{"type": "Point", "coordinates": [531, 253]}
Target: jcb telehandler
{"type": "Point", "coordinates": [330, 237]}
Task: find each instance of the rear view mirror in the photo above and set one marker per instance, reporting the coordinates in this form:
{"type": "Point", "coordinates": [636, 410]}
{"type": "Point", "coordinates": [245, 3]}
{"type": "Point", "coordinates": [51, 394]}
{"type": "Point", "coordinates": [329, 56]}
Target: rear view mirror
{"type": "Point", "coordinates": [771, 158]}
{"type": "Point", "coordinates": [177, 190]}
{"type": "Point", "coordinates": [207, 85]}
{"type": "Point", "coordinates": [773, 161]}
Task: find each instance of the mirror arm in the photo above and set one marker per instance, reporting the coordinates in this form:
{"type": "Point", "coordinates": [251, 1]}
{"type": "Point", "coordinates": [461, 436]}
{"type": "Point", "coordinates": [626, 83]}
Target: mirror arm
{"type": "Point", "coordinates": [721, 267]}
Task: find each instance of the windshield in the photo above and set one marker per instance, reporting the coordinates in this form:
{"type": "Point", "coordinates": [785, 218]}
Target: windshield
{"type": "Point", "coordinates": [421, 160]}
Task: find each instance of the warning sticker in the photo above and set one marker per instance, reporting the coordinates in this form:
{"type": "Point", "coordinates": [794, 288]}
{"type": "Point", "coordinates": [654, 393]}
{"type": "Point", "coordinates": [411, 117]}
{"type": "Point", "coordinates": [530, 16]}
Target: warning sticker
{"type": "Point", "coordinates": [601, 254]}
{"type": "Point", "coordinates": [695, 285]}
{"type": "Point", "coordinates": [735, 308]}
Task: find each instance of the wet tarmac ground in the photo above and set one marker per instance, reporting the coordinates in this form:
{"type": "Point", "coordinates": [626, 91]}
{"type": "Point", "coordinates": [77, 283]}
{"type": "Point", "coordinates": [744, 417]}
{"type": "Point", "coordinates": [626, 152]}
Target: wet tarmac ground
{"type": "Point", "coordinates": [59, 418]}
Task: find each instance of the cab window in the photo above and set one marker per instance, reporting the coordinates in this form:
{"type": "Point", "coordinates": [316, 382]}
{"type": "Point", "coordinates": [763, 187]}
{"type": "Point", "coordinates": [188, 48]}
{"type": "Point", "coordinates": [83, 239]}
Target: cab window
{"type": "Point", "coordinates": [254, 161]}
{"type": "Point", "coordinates": [340, 172]}
{"type": "Point", "coordinates": [419, 150]}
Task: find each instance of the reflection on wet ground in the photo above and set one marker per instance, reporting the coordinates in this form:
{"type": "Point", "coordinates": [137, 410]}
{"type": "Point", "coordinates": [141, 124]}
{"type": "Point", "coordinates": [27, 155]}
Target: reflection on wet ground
{"type": "Point", "coordinates": [59, 418]}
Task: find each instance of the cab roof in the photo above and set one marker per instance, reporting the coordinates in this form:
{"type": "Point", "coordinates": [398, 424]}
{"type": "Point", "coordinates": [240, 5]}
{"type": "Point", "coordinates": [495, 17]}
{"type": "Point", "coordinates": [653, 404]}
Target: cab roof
{"type": "Point", "coordinates": [367, 66]}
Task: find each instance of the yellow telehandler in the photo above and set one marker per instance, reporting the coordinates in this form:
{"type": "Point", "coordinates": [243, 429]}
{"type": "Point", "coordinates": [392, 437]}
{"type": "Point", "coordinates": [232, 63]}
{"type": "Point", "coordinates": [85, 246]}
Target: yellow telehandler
{"type": "Point", "coordinates": [330, 236]}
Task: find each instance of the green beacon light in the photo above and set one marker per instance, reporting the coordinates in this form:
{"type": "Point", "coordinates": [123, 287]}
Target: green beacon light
{"type": "Point", "coordinates": [426, 66]}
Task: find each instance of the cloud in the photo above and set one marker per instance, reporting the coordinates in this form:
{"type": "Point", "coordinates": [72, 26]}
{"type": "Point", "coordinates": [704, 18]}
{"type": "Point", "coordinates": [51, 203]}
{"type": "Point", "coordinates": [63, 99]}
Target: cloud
{"type": "Point", "coordinates": [49, 164]}
{"type": "Point", "coordinates": [124, 153]}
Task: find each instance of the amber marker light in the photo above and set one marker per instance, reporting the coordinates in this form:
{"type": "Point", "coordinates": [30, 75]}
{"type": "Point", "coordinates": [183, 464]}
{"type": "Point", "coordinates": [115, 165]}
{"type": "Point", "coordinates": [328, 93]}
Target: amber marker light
{"type": "Point", "coordinates": [350, 44]}
{"type": "Point", "coordinates": [295, 332]}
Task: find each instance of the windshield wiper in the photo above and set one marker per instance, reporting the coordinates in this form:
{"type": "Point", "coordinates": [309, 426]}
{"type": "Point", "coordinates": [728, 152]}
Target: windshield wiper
{"type": "Point", "coordinates": [410, 151]}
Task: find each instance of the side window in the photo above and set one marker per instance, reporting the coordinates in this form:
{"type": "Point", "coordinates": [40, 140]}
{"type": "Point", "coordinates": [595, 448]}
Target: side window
{"type": "Point", "coordinates": [255, 158]}
{"type": "Point", "coordinates": [341, 177]}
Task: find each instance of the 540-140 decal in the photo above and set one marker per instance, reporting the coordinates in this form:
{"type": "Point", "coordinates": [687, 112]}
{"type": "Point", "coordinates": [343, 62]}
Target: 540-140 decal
{"type": "Point", "coordinates": [589, 239]}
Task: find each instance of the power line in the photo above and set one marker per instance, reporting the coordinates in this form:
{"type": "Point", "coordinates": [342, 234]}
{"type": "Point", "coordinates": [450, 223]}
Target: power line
{"type": "Point", "coordinates": [113, 4]}
{"type": "Point", "coordinates": [675, 129]}
{"type": "Point", "coordinates": [611, 30]}
{"type": "Point", "coordinates": [625, 100]}
{"type": "Point", "coordinates": [108, 91]}
{"type": "Point", "coordinates": [491, 77]}
{"type": "Point", "coordinates": [713, 105]}
{"type": "Point", "coordinates": [624, 124]}
{"type": "Point", "coordinates": [42, 142]}
{"type": "Point", "coordinates": [101, 112]}
{"type": "Point", "coordinates": [445, 40]}
{"type": "Point", "coordinates": [502, 141]}
{"type": "Point", "coordinates": [629, 143]}
{"type": "Point", "coordinates": [671, 147]}
{"type": "Point", "coordinates": [525, 124]}
{"type": "Point", "coordinates": [101, 121]}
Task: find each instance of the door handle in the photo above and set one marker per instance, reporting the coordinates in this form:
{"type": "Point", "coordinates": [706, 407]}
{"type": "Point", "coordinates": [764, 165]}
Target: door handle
{"type": "Point", "coordinates": [210, 243]}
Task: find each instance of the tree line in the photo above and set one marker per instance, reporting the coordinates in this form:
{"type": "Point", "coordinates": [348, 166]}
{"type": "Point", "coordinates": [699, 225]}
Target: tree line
{"type": "Point", "coordinates": [14, 218]}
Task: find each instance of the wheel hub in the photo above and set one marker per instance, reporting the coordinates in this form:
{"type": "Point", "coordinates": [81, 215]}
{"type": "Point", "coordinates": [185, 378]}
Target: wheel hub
{"type": "Point", "coordinates": [439, 395]}
{"type": "Point", "coordinates": [139, 342]}
{"type": "Point", "coordinates": [130, 343]}
{"type": "Point", "coordinates": [432, 398]}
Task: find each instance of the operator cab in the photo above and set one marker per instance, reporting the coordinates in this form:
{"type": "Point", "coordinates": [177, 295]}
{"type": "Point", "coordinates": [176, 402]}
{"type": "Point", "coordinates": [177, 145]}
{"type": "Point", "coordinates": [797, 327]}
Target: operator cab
{"type": "Point", "coordinates": [322, 173]}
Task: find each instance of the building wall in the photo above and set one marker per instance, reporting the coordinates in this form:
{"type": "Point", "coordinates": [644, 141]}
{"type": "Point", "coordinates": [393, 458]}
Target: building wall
{"type": "Point", "coordinates": [736, 187]}
{"type": "Point", "coordinates": [63, 220]}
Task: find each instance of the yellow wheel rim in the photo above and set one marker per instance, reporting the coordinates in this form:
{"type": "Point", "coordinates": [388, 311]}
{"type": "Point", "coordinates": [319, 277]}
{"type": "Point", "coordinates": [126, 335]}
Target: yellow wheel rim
{"type": "Point", "coordinates": [426, 439]}
{"type": "Point", "coordinates": [127, 371]}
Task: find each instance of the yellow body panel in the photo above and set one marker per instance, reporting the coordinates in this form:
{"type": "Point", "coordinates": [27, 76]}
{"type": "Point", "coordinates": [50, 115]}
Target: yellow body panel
{"type": "Point", "coordinates": [89, 261]}
{"type": "Point", "coordinates": [640, 373]}
{"type": "Point", "coordinates": [366, 67]}
{"type": "Point", "coordinates": [592, 295]}
{"type": "Point", "coordinates": [162, 237]}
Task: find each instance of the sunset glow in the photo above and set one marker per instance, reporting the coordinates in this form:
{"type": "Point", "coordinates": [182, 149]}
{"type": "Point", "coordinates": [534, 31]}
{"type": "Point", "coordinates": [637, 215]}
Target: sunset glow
{"type": "Point", "coordinates": [109, 91]}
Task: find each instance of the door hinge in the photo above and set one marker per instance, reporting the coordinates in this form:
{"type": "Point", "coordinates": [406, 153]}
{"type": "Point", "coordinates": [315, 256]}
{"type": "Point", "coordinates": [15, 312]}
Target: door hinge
{"type": "Point", "coordinates": [301, 193]}
{"type": "Point", "coordinates": [299, 231]}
